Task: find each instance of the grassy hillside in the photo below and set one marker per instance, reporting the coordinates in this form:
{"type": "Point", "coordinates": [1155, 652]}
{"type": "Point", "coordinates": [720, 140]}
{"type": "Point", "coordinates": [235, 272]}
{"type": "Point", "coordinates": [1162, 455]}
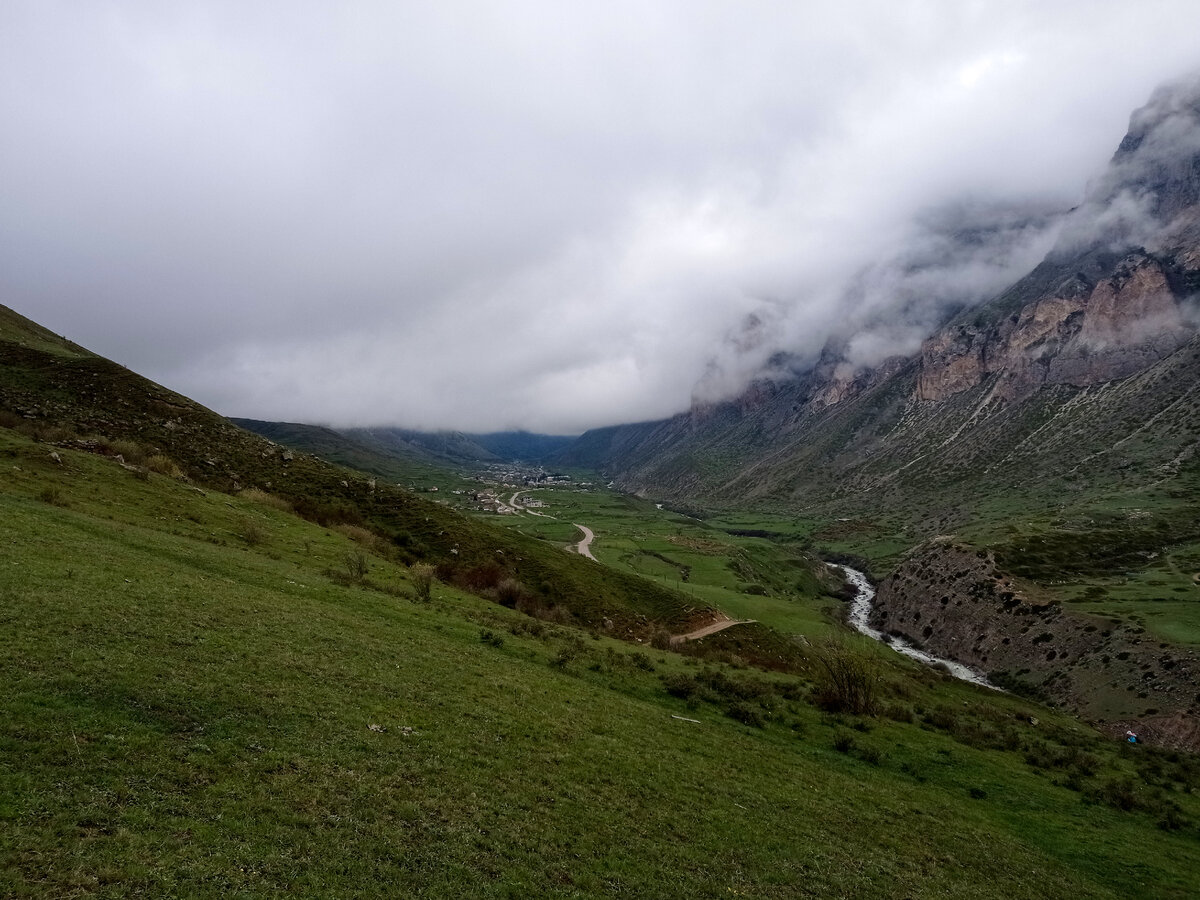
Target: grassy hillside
{"type": "Point", "coordinates": [404, 466]}
{"type": "Point", "coordinates": [198, 703]}
{"type": "Point", "coordinates": [74, 399]}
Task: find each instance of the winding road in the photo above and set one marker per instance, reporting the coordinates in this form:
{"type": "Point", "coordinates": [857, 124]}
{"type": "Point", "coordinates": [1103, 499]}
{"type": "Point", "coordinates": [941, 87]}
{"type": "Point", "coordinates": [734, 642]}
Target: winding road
{"type": "Point", "coordinates": [583, 548]}
{"type": "Point", "coordinates": [525, 509]}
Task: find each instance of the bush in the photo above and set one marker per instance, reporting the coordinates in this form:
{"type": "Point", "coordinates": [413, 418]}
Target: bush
{"type": "Point", "coordinates": [641, 661]}
{"type": "Point", "coordinates": [164, 465]}
{"type": "Point", "coordinates": [422, 579]}
{"type": "Point", "coordinates": [52, 495]}
{"type": "Point", "coordinates": [898, 712]}
{"type": "Point", "coordinates": [1115, 792]}
{"type": "Point", "coordinates": [746, 714]}
{"type": "Point", "coordinates": [360, 535]}
{"type": "Point", "coordinates": [847, 681]}
{"type": "Point", "coordinates": [1173, 818]}
{"type": "Point", "coordinates": [252, 533]}
{"type": "Point", "coordinates": [871, 755]}
{"type": "Point", "coordinates": [128, 451]}
{"type": "Point", "coordinates": [568, 653]}
{"type": "Point", "coordinates": [681, 685]}
{"type": "Point", "coordinates": [356, 564]}
{"type": "Point", "coordinates": [510, 592]}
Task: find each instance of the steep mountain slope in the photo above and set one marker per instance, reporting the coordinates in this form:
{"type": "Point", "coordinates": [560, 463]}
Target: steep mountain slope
{"type": "Point", "coordinates": [1095, 351]}
{"type": "Point", "coordinates": [402, 464]}
{"type": "Point", "coordinates": [1055, 427]}
{"type": "Point", "coordinates": [457, 448]}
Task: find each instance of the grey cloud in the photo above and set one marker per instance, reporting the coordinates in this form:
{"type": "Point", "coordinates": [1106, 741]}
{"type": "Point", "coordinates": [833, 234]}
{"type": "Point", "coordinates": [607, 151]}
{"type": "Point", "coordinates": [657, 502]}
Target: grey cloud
{"type": "Point", "coordinates": [530, 214]}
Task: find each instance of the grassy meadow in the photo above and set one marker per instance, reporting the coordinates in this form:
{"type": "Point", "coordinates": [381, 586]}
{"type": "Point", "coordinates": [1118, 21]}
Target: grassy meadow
{"type": "Point", "coordinates": [202, 698]}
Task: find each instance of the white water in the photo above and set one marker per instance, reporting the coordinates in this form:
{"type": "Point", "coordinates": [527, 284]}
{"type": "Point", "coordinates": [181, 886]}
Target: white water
{"type": "Point", "coordinates": [860, 615]}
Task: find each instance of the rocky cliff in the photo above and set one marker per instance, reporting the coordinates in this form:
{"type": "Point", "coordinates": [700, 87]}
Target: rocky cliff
{"type": "Point", "coordinates": [957, 602]}
{"type": "Point", "coordinates": [1080, 333]}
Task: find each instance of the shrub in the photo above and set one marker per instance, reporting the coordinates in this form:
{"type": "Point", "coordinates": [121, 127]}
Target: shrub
{"type": "Point", "coordinates": [422, 579]}
{"type": "Point", "coordinates": [164, 465]}
{"type": "Point", "coordinates": [681, 685]}
{"type": "Point", "coordinates": [251, 532]}
{"type": "Point", "coordinates": [847, 681]}
{"type": "Point", "coordinates": [898, 712]}
{"type": "Point", "coordinates": [127, 450]}
{"type": "Point", "coordinates": [641, 661]}
{"type": "Point", "coordinates": [356, 564]}
{"type": "Point", "coordinates": [1173, 818]}
{"type": "Point", "coordinates": [870, 755]}
{"type": "Point", "coordinates": [746, 714]}
{"type": "Point", "coordinates": [661, 639]}
{"type": "Point", "coordinates": [254, 495]}
{"type": "Point", "coordinates": [569, 652]}
{"type": "Point", "coordinates": [489, 637]}
{"type": "Point", "coordinates": [52, 495]}
{"type": "Point", "coordinates": [356, 533]}
{"type": "Point", "coordinates": [1115, 792]}
{"type": "Point", "coordinates": [509, 592]}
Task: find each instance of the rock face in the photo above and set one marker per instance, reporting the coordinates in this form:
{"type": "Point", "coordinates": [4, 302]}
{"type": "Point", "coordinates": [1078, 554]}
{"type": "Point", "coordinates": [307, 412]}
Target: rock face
{"type": "Point", "coordinates": [1080, 333]}
{"type": "Point", "coordinates": [956, 602]}
{"type": "Point", "coordinates": [1115, 294]}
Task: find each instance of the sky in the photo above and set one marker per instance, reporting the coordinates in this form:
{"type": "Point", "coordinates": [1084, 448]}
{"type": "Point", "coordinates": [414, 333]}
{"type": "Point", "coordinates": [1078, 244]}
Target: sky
{"type": "Point", "coordinates": [541, 215]}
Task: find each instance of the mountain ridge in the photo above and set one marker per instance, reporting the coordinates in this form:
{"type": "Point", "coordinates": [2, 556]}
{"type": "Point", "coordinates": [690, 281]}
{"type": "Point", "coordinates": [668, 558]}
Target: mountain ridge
{"type": "Point", "coordinates": [1092, 313]}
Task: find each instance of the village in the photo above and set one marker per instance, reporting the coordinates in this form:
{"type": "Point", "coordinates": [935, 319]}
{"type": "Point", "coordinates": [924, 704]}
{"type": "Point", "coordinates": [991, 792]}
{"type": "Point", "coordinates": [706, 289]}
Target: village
{"type": "Point", "coordinates": [505, 482]}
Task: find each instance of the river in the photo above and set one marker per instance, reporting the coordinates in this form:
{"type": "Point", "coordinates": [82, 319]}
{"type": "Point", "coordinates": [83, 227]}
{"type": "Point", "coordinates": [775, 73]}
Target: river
{"type": "Point", "coordinates": [860, 617]}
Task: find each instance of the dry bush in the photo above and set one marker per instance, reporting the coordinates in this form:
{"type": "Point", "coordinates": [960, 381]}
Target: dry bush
{"type": "Point", "coordinates": [164, 465]}
{"type": "Point", "coordinates": [43, 432]}
{"type": "Point", "coordinates": [847, 680]}
{"type": "Point", "coordinates": [356, 564]}
{"type": "Point", "coordinates": [509, 592]}
{"type": "Point", "coordinates": [52, 495]}
{"type": "Point", "coordinates": [422, 579]}
{"type": "Point", "coordinates": [252, 533]}
{"type": "Point", "coordinates": [262, 498]}
{"type": "Point", "coordinates": [127, 450]}
{"type": "Point", "coordinates": [365, 537]}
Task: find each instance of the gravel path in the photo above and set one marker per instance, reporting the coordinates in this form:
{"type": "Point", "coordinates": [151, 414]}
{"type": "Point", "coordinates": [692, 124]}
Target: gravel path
{"type": "Point", "coordinates": [583, 548]}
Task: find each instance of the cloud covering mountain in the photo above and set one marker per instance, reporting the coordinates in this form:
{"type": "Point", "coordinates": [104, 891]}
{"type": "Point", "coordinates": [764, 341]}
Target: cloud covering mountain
{"type": "Point", "coordinates": [532, 215]}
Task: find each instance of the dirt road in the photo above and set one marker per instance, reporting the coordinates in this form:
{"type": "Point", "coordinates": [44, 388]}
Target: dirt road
{"type": "Point", "coordinates": [583, 548]}
{"type": "Point", "coordinates": [711, 628]}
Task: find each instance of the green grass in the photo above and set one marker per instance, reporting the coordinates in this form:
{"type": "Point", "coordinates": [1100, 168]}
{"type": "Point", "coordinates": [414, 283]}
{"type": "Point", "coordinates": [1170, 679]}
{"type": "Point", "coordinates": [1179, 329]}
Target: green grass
{"type": "Point", "coordinates": [187, 713]}
{"type": "Point", "coordinates": [777, 583]}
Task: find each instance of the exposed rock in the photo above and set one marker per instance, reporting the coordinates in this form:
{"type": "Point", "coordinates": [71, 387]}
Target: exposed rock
{"type": "Point", "coordinates": [1079, 334]}
{"type": "Point", "coordinates": [954, 601]}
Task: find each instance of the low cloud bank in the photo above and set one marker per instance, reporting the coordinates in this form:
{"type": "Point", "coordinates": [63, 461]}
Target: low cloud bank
{"type": "Point", "coordinates": [535, 216]}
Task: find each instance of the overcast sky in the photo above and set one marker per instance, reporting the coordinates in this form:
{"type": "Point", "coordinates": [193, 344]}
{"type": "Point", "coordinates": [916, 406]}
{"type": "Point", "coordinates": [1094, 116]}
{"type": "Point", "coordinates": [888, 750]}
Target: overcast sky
{"type": "Point", "coordinates": [546, 215]}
